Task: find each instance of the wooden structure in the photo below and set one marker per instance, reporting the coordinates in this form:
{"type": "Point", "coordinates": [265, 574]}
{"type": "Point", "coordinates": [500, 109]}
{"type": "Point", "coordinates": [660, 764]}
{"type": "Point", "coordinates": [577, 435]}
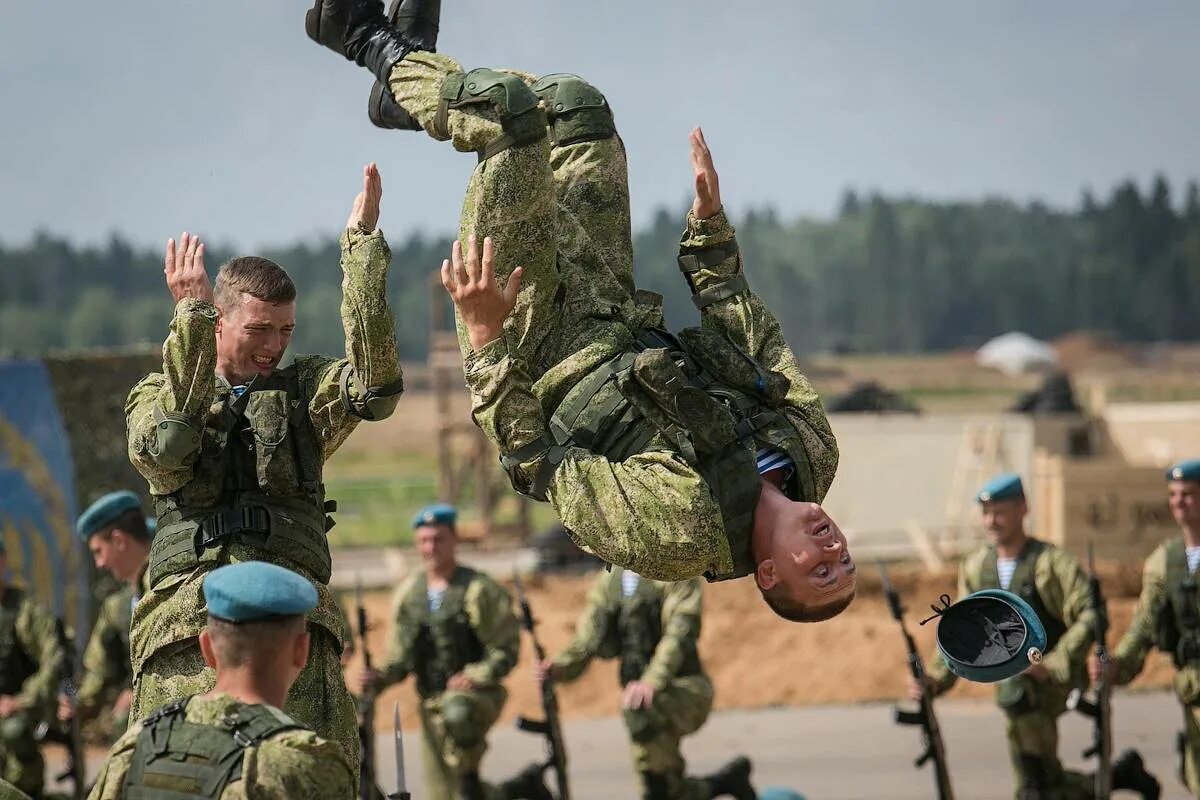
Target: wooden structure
{"type": "Point", "coordinates": [469, 475]}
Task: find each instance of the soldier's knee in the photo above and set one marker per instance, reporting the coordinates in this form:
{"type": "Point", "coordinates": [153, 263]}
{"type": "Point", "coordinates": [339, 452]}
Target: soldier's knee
{"type": "Point", "coordinates": [577, 111]}
{"type": "Point", "coordinates": [463, 726]}
{"type": "Point", "coordinates": [515, 105]}
{"type": "Point", "coordinates": [642, 723]}
{"type": "Point", "coordinates": [15, 732]}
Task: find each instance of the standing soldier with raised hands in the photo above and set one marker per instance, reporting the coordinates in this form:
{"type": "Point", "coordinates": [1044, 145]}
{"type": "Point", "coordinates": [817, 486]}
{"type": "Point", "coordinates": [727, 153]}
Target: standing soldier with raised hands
{"type": "Point", "coordinates": [232, 442]}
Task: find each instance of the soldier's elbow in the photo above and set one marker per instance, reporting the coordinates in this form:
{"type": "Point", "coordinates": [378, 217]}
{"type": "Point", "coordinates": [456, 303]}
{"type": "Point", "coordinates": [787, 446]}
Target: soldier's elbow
{"type": "Point", "coordinates": [173, 443]}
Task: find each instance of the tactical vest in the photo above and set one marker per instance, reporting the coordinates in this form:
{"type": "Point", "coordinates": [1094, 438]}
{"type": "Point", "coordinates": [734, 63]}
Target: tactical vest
{"type": "Point", "coordinates": [637, 623]}
{"type": "Point", "coordinates": [1177, 619]}
{"type": "Point", "coordinates": [16, 664]}
{"type": "Point", "coordinates": [257, 481]}
{"type": "Point", "coordinates": [1024, 586]}
{"type": "Point", "coordinates": [445, 642]}
{"type": "Point", "coordinates": [698, 394]}
{"type": "Point", "coordinates": [174, 759]}
{"type": "Point", "coordinates": [115, 638]}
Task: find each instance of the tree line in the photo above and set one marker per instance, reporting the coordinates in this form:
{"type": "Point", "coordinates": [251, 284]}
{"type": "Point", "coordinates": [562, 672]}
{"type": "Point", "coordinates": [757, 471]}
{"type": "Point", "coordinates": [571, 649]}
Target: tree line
{"type": "Point", "coordinates": [883, 275]}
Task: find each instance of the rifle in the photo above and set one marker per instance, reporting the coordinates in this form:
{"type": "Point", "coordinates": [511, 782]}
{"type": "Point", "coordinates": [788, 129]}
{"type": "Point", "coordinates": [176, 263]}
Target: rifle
{"type": "Point", "coordinates": [366, 708]}
{"type": "Point", "coordinates": [1100, 710]}
{"type": "Point", "coordinates": [401, 792]}
{"type": "Point", "coordinates": [931, 732]}
{"type": "Point", "coordinates": [550, 726]}
{"type": "Point", "coordinates": [67, 686]}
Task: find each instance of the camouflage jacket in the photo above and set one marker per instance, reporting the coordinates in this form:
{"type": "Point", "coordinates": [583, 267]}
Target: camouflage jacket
{"type": "Point", "coordinates": [106, 667]}
{"type": "Point", "coordinates": [174, 609]}
{"type": "Point", "coordinates": [679, 610]}
{"type": "Point", "coordinates": [34, 640]}
{"type": "Point", "coordinates": [1063, 588]}
{"type": "Point", "coordinates": [489, 613]}
{"type": "Point", "coordinates": [294, 763]}
{"type": "Point", "coordinates": [660, 518]}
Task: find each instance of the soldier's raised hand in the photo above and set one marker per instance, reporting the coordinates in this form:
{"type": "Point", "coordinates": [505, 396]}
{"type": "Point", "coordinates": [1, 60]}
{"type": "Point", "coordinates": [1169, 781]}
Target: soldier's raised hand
{"type": "Point", "coordinates": [184, 268]}
{"type": "Point", "coordinates": [708, 188]}
{"type": "Point", "coordinates": [364, 215]}
{"type": "Point", "coordinates": [482, 303]}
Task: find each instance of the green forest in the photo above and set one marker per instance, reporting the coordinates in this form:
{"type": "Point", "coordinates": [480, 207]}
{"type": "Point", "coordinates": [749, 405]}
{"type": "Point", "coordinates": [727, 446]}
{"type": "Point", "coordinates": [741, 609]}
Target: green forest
{"type": "Point", "coordinates": [884, 275]}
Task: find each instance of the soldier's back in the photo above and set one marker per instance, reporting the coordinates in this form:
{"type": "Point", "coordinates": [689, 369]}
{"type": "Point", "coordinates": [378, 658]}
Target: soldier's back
{"type": "Point", "coordinates": [279, 757]}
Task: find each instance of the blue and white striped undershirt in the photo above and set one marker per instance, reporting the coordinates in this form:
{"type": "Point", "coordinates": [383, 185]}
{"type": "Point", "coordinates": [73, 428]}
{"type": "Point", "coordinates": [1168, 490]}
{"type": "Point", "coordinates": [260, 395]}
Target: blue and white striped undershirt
{"type": "Point", "coordinates": [1193, 558]}
{"type": "Point", "coordinates": [434, 597]}
{"type": "Point", "coordinates": [1006, 567]}
{"type": "Point", "coordinates": [769, 458]}
{"type": "Point", "coordinates": [629, 583]}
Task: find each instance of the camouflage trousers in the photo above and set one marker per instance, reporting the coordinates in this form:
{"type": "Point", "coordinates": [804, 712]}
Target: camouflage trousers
{"type": "Point", "coordinates": [1191, 749]}
{"type": "Point", "coordinates": [21, 761]}
{"type": "Point", "coordinates": [319, 697]}
{"type": "Point", "coordinates": [560, 212]}
{"type": "Point", "coordinates": [1032, 732]}
{"type": "Point", "coordinates": [454, 728]}
{"type": "Point", "coordinates": [679, 709]}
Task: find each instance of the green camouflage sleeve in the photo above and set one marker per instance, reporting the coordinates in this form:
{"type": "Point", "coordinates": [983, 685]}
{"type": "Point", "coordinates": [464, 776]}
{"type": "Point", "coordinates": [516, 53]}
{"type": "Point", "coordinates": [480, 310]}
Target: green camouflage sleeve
{"type": "Point", "coordinates": [575, 657]}
{"type": "Point", "coordinates": [935, 668]}
{"type": "Point", "coordinates": [299, 764]}
{"type": "Point", "coordinates": [181, 393]}
{"type": "Point", "coordinates": [490, 612]}
{"type": "Point", "coordinates": [36, 633]}
{"type": "Point", "coordinates": [397, 659]}
{"type": "Point", "coordinates": [366, 383]}
{"type": "Point", "coordinates": [110, 783]}
{"type": "Point", "coordinates": [1130, 654]}
{"type": "Point", "coordinates": [746, 320]}
{"type": "Point", "coordinates": [681, 629]}
{"type": "Point", "coordinates": [1063, 587]}
{"type": "Point", "coordinates": [100, 674]}
{"type": "Point", "coordinates": [660, 520]}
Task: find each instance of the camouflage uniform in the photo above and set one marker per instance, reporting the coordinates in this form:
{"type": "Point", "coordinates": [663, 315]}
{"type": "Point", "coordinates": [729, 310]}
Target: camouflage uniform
{"type": "Point", "coordinates": [31, 661]}
{"type": "Point", "coordinates": [559, 207]}
{"type": "Point", "coordinates": [165, 653]}
{"type": "Point", "coordinates": [290, 764]}
{"type": "Point", "coordinates": [1053, 583]}
{"type": "Point", "coordinates": [10, 792]}
{"type": "Point", "coordinates": [106, 667]}
{"type": "Point", "coordinates": [1162, 619]}
{"type": "Point", "coordinates": [654, 633]}
{"type": "Point", "coordinates": [473, 631]}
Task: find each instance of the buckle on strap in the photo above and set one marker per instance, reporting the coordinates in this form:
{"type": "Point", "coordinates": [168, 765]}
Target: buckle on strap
{"type": "Point", "coordinates": [247, 519]}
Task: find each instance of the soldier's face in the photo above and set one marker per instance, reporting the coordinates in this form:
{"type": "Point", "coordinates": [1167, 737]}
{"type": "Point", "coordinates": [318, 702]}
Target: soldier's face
{"type": "Point", "coordinates": [809, 555]}
{"type": "Point", "coordinates": [1004, 520]}
{"type": "Point", "coordinates": [437, 545]}
{"type": "Point", "coordinates": [112, 553]}
{"type": "Point", "coordinates": [252, 336]}
{"type": "Point", "coordinates": [1184, 499]}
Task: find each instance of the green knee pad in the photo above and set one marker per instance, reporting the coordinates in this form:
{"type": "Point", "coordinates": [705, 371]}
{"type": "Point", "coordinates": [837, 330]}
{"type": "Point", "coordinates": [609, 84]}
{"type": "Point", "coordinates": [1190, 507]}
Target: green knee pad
{"type": "Point", "coordinates": [516, 106]}
{"type": "Point", "coordinates": [15, 732]}
{"type": "Point", "coordinates": [577, 110]}
{"type": "Point", "coordinates": [458, 714]}
{"type": "Point", "coordinates": [642, 723]}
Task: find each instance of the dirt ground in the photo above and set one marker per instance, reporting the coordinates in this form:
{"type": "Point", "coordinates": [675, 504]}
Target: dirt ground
{"type": "Point", "coordinates": [755, 659]}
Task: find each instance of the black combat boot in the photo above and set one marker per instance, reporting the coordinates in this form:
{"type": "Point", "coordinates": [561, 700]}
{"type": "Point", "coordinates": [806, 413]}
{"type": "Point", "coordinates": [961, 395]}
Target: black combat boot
{"type": "Point", "coordinates": [470, 787]}
{"type": "Point", "coordinates": [418, 20]}
{"type": "Point", "coordinates": [733, 779]}
{"type": "Point", "coordinates": [359, 31]}
{"type": "Point", "coordinates": [1129, 772]}
{"type": "Point", "coordinates": [526, 785]}
{"type": "Point", "coordinates": [1035, 783]}
{"type": "Point", "coordinates": [655, 787]}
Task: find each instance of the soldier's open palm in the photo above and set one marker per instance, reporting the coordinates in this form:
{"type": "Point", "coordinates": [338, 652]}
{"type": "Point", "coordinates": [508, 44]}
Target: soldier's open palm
{"type": "Point", "coordinates": [482, 303]}
{"type": "Point", "coordinates": [184, 268]}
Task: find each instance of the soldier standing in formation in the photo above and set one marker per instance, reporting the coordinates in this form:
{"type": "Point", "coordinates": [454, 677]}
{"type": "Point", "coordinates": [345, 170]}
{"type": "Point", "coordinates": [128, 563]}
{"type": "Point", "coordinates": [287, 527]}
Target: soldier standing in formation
{"type": "Point", "coordinates": [233, 742]}
{"type": "Point", "coordinates": [31, 660]}
{"type": "Point", "coordinates": [1055, 586]}
{"type": "Point", "coordinates": [118, 537]}
{"type": "Point", "coordinates": [233, 442]}
{"type": "Point", "coordinates": [1167, 615]}
{"type": "Point", "coordinates": [653, 629]}
{"type": "Point", "coordinates": [453, 629]}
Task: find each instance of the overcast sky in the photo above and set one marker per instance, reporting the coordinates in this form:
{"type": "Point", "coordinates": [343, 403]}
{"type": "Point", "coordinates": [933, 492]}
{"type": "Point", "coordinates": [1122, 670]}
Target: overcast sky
{"type": "Point", "coordinates": [150, 116]}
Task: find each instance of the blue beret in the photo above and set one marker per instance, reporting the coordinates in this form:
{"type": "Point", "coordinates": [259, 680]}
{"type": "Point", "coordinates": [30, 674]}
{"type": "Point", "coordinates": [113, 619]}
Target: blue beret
{"type": "Point", "coordinates": [254, 590]}
{"type": "Point", "coordinates": [1185, 471]}
{"type": "Point", "coordinates": [1002, 487]}
{"type": "Point", "coordinates": [436, 514]}
{"type": "Point", "coordinates": [990, 635]}
{"type": "Point", "coordinates": [151, 526]}
{"type": "Point", "coordinates": [105, 511]}
{"type": "Point", "coordinates": [778, 793]}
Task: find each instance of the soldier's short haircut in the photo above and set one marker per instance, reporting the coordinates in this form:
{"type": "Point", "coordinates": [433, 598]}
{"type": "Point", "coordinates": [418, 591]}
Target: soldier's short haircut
{"type": "Point", "coordinates": [251, 644]}
{"type": "Point", "coordinates": [256, 276]}
{"type": "Point", "coordinates": [795, 611]}
{"type": "Point", "coordinates": [130, 522]}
